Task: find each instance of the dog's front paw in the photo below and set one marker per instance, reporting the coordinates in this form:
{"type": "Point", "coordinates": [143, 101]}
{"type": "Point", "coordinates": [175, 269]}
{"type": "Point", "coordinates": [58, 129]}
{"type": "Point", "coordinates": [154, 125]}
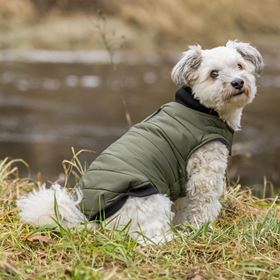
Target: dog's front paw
{"type": "Point", "coordinates": [158, 238]}
{"type": "Point", "coordinates": [198, 216]}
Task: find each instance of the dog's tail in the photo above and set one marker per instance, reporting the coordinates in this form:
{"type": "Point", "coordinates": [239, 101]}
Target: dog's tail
{"type": "Point", "coordinates": [48, 207]}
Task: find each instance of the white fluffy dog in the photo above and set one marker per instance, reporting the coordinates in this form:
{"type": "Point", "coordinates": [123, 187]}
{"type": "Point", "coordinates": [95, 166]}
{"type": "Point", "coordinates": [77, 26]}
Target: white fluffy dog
{"type": "Point", "coordinates": [219, 81]}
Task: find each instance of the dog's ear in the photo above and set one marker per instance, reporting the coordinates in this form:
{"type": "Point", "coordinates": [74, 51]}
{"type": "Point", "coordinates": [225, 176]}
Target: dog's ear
{"type": "Point", "coordinates": [249, 53]}
{"type": "Point", "coordinates": [184, 72]}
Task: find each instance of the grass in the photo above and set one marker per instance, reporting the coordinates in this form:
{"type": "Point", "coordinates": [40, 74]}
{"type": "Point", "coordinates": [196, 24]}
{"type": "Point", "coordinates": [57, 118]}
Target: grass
{"type": "Point", "coordinates": [244, 243]}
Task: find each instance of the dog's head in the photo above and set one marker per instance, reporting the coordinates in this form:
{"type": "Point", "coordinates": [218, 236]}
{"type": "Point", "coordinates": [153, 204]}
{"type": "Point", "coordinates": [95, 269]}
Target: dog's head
{"type": "Point", "coordinates": [221, 78]}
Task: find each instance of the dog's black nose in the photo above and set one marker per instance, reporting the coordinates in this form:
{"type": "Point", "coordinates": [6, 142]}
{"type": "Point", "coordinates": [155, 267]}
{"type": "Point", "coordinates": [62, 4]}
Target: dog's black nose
{"type": "Point", "coordinates": [237, 83]}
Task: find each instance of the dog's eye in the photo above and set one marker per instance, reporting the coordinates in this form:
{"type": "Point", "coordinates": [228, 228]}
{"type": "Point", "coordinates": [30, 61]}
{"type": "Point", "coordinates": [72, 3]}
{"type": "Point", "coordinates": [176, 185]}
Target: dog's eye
{"type": "Point", "coordinates": [214, 74]}
{"type": "Point", "coordinates": [240, 66]}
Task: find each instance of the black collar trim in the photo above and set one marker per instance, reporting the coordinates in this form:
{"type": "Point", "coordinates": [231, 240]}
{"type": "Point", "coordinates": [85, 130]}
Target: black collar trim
{"type": "Point", "coordinates": [185, 97]}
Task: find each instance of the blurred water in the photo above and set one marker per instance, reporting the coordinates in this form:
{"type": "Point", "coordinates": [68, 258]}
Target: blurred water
{"type": "Point", "coordinates": [50, 103]}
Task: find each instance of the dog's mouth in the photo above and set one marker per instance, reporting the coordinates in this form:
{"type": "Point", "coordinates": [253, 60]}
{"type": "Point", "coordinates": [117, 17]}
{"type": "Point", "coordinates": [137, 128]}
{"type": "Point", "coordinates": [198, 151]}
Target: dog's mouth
{"type": "Point", "coordinates": [238, 93]}
{"type": "Point", "coordinates": [244, 90]}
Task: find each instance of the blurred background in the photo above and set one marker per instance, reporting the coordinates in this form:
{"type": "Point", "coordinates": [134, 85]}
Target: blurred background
{"type": "Point", "coordinates": [75, 73]}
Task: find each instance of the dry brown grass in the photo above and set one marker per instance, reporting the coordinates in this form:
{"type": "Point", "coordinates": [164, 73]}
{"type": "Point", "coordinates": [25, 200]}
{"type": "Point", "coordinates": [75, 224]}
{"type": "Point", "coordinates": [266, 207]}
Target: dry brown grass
{"type": "Point", "coordinates": [205, 21]}
{"type": "Point", "coordinates": [147, 25]}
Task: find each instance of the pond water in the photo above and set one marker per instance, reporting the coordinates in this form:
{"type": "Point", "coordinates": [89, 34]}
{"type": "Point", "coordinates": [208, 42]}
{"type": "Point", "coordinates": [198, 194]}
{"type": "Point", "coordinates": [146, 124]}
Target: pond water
{"type": "Point", "coordinates": [50, 102]}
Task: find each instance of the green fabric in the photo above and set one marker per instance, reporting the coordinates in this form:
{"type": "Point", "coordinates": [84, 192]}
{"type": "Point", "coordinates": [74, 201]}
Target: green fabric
{"type": "Point", "coordinates": [155, 151]}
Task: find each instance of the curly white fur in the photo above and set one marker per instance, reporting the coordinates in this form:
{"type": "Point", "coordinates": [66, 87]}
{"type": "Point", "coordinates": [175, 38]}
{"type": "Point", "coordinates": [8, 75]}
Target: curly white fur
{"type": "Point", "coordinates": [206, 168]}
{"type": "Point", "coordinates": [49, 206]}
{"type": "Point", "coordinates": [149, 217]}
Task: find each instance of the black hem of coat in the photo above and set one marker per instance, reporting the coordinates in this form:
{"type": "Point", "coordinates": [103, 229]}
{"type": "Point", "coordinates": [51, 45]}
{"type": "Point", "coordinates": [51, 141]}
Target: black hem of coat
{"type": "Point", "coordinates": [119, 201]}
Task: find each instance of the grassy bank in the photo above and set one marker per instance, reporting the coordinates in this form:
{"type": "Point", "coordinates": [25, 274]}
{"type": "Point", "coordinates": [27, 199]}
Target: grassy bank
{"type": "Point", "coordinates": [138, 25]}
{"type": "Point", "coordinates": [244, 243]}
